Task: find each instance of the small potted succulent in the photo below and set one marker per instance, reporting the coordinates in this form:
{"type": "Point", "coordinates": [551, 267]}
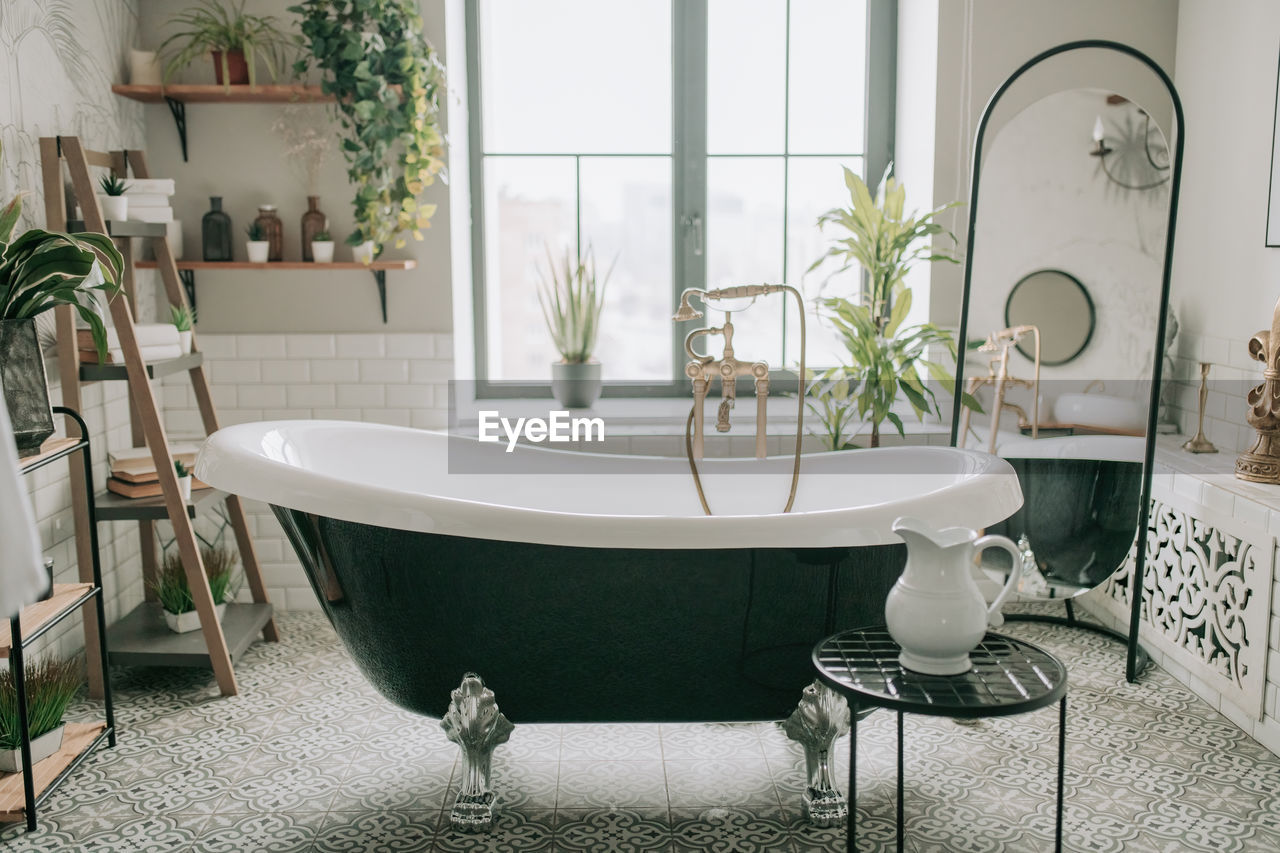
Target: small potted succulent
{"type": "Point", "coordinates": [571, 300]}
{"type": "Point", "coordinates": [50, 686]}
{"type": "Point", "coordinates": [322, 248]}
{"type": "Point", "coordinates": [258, 246]}
{"type": "Point", "coordinates": [235, 40]}
{"type": "Point", "coordinates": [174, 593]}
{"type": "Point", "coordinates": [184, 479]}
{"type": "Point", "coordinates": [183, 318]}
{"type": "Point", "coordinates": [112, 199]}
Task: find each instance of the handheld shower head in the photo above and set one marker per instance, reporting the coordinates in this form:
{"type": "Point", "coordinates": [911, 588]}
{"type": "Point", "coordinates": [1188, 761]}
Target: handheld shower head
{"type": "Point", "coordinates": [687, 311]}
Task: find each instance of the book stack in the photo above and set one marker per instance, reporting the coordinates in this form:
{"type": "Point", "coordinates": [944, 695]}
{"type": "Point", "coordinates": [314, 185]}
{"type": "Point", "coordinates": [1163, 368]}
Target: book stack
{"type": "Point", "coordinates": [133, 471]}
{"type": "Point", "coordinates": [156, 342]}
{"type": "Point", "coordinates": [149, 199]}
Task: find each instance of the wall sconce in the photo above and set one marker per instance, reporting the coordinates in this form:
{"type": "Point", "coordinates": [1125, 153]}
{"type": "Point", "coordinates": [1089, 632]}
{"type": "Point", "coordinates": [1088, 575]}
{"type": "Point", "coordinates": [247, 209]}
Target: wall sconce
{"type": "Point", "coordinates": [1125, 158]}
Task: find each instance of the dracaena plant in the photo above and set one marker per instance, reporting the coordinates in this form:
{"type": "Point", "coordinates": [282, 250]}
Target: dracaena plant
{"type": "Point", "coordinates": [885, 358]}
{"type": "Point", "coordinates": [387, 82]}
{"type": "Point", "coordinates": [572, 298]}
{"type": "Point", "coordinates": [42, 269]}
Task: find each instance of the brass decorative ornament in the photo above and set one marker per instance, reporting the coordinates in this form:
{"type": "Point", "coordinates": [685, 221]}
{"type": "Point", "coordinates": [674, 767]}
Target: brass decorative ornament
{"type": "Point", "coordinates": [1200, 444]}
{"type": "Point", "coordinates": [1261, 463]}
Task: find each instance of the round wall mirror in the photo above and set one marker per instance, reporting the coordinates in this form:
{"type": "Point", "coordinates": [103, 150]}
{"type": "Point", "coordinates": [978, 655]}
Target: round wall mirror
{"type": "Point", "coordinates": [1059, 306]}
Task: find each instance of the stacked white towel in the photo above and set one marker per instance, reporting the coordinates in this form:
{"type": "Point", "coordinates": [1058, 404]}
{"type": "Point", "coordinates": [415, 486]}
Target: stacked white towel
{"type": "Point", "coordinates": [156, 342]}
{"type": "Point", "coordinates": [149, 199]}
{"type": "Point", "coordinates": [22, 577]}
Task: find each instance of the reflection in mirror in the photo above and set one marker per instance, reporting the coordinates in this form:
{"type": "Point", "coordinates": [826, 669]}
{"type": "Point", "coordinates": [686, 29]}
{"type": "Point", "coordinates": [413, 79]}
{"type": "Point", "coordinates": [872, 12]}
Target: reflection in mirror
{"type": "Point", "coordinates": [1072, 423]}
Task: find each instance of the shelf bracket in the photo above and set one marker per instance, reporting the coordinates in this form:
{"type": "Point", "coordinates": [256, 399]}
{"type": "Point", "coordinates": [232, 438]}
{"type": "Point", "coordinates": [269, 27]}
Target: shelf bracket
{"type": "Point", "coordinates": [189, 285]}
{"type": "Point", "coordinates": [179, 110]}
{"type": "Point", "coordinates": [380, 276]}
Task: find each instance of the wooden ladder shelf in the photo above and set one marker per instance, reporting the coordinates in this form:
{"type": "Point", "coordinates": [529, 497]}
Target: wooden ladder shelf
{"type": "Point", "coordinates": [147, 424]}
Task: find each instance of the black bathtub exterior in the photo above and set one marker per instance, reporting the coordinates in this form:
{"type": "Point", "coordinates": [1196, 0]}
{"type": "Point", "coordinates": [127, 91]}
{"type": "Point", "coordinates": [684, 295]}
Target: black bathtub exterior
{"type": "Point", "coordinates": [576, 635]}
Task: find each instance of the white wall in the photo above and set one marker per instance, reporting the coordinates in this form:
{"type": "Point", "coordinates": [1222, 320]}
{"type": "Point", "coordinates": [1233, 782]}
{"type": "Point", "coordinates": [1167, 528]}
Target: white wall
{"type": "Point", "coordinates": [1224, 278]}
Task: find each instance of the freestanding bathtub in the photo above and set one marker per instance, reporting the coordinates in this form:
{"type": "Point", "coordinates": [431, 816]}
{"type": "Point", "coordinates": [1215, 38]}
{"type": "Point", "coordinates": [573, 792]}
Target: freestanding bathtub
{"type": "Point", "coordinates": [588, 587]}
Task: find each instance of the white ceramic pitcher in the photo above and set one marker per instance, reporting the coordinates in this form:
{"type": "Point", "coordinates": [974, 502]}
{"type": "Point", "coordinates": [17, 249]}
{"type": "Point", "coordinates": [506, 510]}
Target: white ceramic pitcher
{"type": "Point", "coordinates": [935, 611]}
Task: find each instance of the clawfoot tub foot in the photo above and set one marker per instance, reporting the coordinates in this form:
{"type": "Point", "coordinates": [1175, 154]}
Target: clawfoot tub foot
{"type": "Point", "coordinates": [820, 718]}
{"type": "Point", "coordinates": [475, 724]}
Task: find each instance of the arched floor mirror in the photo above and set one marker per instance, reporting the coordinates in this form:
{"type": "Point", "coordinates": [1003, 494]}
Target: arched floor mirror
{"type": "Point", "coordinates": [1073, 202]}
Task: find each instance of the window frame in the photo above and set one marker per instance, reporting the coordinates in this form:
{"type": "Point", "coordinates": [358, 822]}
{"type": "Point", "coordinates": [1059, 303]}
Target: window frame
{"type": "Point", "coordinates": [689, 179]}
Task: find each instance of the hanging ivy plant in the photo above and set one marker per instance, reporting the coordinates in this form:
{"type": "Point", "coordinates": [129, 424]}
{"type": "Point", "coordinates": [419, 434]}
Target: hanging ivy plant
{"type": "Point", "coordinates": [388, 82]}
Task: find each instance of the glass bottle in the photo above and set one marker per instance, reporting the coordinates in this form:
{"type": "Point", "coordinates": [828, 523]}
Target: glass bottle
{"type": "Point", "coordinates": [215, 232]}
{"type": "Point", "coordinates": [313, 222]}
{"type": "Point", "coordinates": [273, 229]}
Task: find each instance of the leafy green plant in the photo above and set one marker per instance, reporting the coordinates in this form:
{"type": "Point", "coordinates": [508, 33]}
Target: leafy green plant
{"type": "Point", "coordinates": [884, 358]}
{"type": "Point", "coordinates": [50, 687]}
{"type": "Point", "coordinates": [171, 586]}
{"type": "Point", "coordinates": [571, 301]}
{"type": "Point", "coordinates": [42, 269]}
{"type": "Point", "coordinates": [256, 232]}
{"type": "Point", "coordinates": [112, 186]}
{"type": "Point", "coordinates": [181, 469]}
{"type": "Point", "coordinates": [182, 317]}
{"type": "Point", "coordinates": [388, 83]}
{"type": "Point", "coordinates": [211, 26]}
{"type": "Point", "coordinates": [321, 237]}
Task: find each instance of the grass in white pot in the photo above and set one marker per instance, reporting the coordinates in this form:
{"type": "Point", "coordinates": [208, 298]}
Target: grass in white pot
{"type": "Point", "coordinates": [50, 685]}
{"type": "Point", "coordinates": [183, 318]}
{"type": "Point", "coordinates": [258, 248]}
{"type": "Point", "coordinates": [572, 298]}
{"type": "Point", "coordinates": [174, 593]}
{"type": "Point", "coordinates": [322, 247]}
{"type": "Point", "coordinates": [112, 199]}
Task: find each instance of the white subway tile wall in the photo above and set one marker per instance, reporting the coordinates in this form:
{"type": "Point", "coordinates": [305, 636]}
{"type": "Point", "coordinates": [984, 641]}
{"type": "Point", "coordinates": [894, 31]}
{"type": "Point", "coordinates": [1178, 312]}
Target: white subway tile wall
{"type": "Point", "coordinates": [1231, 375]}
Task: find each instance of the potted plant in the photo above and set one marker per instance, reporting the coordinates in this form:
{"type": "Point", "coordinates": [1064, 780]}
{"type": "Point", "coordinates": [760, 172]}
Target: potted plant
{"type": "Point", "coordinates": [174, 594]}
{"type": "Point", "coordinates": [112, 199]}
{"type": "Point", "coordinates": [322, 248]}
{"type": "Point", "coordinates": [184, 479]}
{"type": "Point", "coordinates": [236, 41]}
{"type": "Point", "coordinates": [387, 82]}
{"type": "Point", "coordinates": [40, 270]}
{"type": "Point", "coordinates": [50, 686]}
{"type": "Point", "coordinates": [183, 318]}
{"type": "Point", "coordinates": [571, 301]}
{"type": "Point", "coordinates": [258, 247]}
{"type": "Point", "coordinates": [885, 358]}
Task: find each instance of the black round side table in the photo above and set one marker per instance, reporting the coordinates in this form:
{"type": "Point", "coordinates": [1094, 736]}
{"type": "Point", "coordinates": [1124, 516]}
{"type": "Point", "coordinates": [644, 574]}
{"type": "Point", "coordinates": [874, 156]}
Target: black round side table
{"type": "Point", "coordinates": [1008, 677]}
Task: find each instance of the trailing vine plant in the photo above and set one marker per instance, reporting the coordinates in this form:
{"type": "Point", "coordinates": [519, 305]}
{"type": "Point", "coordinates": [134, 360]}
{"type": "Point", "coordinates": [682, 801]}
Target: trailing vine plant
{"type": "Point", "coordinates": [388, 82]}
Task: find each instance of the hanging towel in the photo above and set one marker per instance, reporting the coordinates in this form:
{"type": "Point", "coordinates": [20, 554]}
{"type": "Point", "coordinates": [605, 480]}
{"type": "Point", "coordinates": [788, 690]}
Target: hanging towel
{"type": "Point", "coordinates": [151, 186]}
{"type": "Point", "coordinates": [22, 577]}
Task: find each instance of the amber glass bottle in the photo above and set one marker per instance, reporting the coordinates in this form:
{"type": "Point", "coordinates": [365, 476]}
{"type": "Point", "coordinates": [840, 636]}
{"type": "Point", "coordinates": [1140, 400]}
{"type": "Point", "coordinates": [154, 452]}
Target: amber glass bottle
{"type": "Point", "coordinates": [273, 228]}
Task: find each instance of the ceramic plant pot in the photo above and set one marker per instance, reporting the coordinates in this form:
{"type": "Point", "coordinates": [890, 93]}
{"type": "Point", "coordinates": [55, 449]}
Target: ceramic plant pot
{"type": "Point", "coordinates": [576, 386]}
{"type": "Point", "coordinates": [258, 251]}
{"type": "Point", "coordinates": [184, 487]}
{"type": "Point", "coordinates": [115, 208]}
{"type": "Point", "coordinates": [322, 251]}
{"type": "Point", "coordinates": [183, 623]}
{"type": "Point", "coordinates": [237, 68]}
{"type": "Point", "coordinates": [26, 393]}
{"type": "Point", "coordinates": [184, 341]}
{"type": "Point", "coordinates": [363, 253]}
{"type": "Point", "coordinates": [41, 748]}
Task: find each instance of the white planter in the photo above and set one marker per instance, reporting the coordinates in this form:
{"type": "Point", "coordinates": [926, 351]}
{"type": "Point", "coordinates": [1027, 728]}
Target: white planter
{"type": "Point", "coordinates": [184, 341]}
{"type": "Point", "coordinates": [363, 253]}
{"type": "Point", "coordinates": [144, 68]}
{"type": "Point", "coordinates": [184, 483]}
{"type": "Point", "coordinates": [41, 748]}
{"type": "Point", "coordinates": [115, 208]}
{"type": "Point", "coordinates": [182, 623]}
{"type": "Point", "coordinates": [258, 251]}
{"type": "Point", "coordinates": [322, 251]}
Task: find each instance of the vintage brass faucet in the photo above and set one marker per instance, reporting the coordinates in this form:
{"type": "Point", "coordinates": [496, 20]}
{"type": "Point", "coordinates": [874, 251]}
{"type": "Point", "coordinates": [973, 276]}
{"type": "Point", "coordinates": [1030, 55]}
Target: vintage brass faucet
{"type": "Point", "coordinates": [998, 376]}
{"type": "Point", "coordinates": [702, 369]}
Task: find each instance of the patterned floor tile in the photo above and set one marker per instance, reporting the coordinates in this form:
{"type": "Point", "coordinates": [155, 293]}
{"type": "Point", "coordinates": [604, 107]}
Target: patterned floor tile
{"type": "Point", "coordinates": [285, 832]}
{"type": "Point", "coordinates": [411, 787]}
{"type": "Point", "coordinates": [400, 831]}
{"type": "Point", "coordinates": [513, 830]}
{"type": "Point", "coordinates": [756, 830]}
{"type": "Point", "coordinates": [611, 743]}
{"type": "Point", "coordinates": [710, 740]}
{"type": "Point", "coordinates": [611, 784]}
{"type": "Point", "coordinates": [616, 830]}
{"type": "Point", "coordinates": [713, 782]}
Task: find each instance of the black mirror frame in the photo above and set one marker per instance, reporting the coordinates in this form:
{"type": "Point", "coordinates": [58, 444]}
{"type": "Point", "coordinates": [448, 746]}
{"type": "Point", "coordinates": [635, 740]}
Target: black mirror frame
{"type": "Point", "coordinates": [1132, 667]}
{"type": "Point", "coordinates": [1084, 291]}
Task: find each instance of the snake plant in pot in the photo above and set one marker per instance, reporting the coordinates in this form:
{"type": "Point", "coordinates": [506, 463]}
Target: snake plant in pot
{"type": "Point", "coordinates": [40, 270]}
{"type": "Point", "coordinates": [571, 300]}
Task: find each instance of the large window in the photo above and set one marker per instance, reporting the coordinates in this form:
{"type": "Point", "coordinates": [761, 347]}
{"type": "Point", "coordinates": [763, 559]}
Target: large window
{"type": "Point", "coordinates": [687, 143]}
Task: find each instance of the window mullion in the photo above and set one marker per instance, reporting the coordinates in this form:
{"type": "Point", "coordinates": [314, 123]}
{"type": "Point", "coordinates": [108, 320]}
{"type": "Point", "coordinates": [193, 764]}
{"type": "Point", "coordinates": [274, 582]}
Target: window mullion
{"type": "Point", "coordinates": [689, 159]}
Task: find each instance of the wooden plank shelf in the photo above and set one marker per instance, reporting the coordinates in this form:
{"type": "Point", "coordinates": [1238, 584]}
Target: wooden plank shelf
{"type": "Point", "coordinates": [66, 597]}
{"type": "Point", "coordinates": [215, 94]}
{"type": "Point", "coordinates": [52, 448]}
{"type": "Point", "coordinates": [143, 639]}
{"type": "Point", "coordinates": [77, 739]}
{"type": "Point", "coordinates": [112, 507]}
{"type": "Point", "coordinates": [107, 372]}
{"type": "Point", "coordinates": [121, 228]}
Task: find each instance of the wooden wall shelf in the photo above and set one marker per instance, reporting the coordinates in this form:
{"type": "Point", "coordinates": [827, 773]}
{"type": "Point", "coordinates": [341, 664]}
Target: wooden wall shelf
{"type": "Point", "coordinates": [187, 270]}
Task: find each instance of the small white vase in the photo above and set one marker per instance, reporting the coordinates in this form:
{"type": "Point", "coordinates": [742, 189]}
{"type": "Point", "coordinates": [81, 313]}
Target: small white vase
{"type": "Point", "coordinates": [144, 68]}
{"type": "Point", "coordinates": [41, 748]}
{"type": "Point", "coordinates": [182, 623]}
{"type": "Point", "coordinates": [184, 483]}
{"type": "Point", "coordinates": [258, 251]}
{"type": "Point", "coordinates": [184, 341]}
{"type": "Point", "coordinates": [115, 208]}
{"type": "Point", "coordinates": [322, 251]}
{"type": "Point", "coordinates": [363, 253]}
